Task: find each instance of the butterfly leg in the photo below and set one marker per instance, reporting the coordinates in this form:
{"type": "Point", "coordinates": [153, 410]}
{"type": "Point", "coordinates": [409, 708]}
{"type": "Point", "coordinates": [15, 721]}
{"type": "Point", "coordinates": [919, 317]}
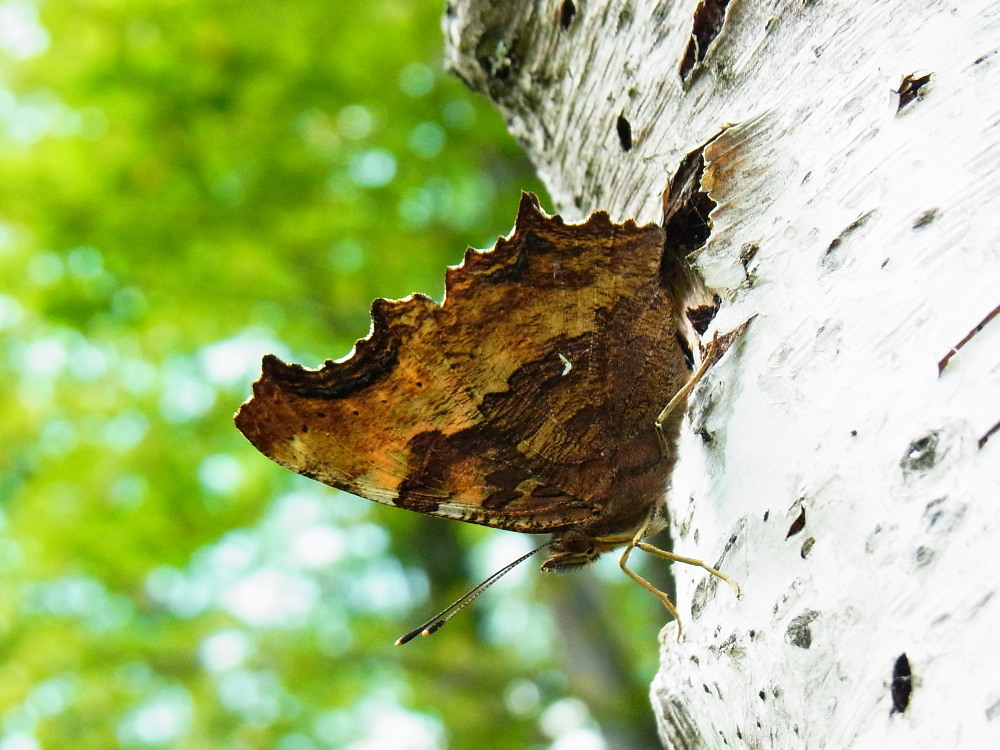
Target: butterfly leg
{"type": "Point", "coordinates": [664, 555]}
{"type": "Point", "coordinates": [623, 562]}
{"type": "Point", "coordinates": [680, 398]}
{"type": "Point", "coordinates": [671, 557]}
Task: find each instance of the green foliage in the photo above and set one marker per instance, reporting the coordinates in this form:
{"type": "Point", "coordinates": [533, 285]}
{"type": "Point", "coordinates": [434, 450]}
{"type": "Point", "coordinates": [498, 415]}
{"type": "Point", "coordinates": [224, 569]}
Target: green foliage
{"type": "Point", "coordinates": [184, 186]}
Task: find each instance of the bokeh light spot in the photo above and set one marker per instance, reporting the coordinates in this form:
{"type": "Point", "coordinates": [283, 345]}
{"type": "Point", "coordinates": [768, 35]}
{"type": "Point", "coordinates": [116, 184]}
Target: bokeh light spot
{"type": "Point", "coordinates": [373, 168]}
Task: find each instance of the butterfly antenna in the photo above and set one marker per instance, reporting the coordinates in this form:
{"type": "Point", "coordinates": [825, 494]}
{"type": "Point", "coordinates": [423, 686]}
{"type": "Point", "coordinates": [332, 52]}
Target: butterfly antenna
{"type": "Point", "coordinates": [437, 621]}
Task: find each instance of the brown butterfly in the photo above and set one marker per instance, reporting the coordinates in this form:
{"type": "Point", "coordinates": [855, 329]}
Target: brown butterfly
{"type": "Point", "coordinates": [527, 400]}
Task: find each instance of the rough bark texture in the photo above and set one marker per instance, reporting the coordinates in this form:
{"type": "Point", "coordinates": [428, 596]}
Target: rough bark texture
{"type": "Point", "coordinates": [848, 485]}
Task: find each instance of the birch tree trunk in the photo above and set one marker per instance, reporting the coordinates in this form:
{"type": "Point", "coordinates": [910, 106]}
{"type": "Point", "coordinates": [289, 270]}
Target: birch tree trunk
{"type": "Point", "coordinates": [829, 464]}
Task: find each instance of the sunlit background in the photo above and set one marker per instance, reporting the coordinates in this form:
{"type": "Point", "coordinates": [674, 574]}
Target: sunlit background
{"type": "Point", "coordinates": [186, 185]}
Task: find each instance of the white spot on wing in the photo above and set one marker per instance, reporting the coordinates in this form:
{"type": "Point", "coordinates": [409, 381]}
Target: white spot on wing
{"type": "Point", "coordinates": [567, 365]}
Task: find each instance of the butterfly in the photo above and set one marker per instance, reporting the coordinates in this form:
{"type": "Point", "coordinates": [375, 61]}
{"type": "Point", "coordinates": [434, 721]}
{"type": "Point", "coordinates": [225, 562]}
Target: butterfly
{"type": "Point", "coordinates": [530, 399]}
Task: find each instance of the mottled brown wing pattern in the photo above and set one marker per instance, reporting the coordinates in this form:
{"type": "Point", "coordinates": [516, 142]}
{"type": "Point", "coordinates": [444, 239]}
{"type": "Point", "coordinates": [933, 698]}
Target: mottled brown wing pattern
{"type": "Point", "coordinates": [524, 401]}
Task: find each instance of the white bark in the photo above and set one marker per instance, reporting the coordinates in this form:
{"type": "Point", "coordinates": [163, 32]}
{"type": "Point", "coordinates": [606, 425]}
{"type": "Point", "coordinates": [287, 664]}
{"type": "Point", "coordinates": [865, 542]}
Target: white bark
{"type": "Point", "coordinates": [879, 249]}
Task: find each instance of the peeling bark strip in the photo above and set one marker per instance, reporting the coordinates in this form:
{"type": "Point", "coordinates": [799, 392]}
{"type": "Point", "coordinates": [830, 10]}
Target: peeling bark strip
{"type": "Point", "coordinates": [701, 317]}
{"type": "Point", "coordinates": [831, 394]}
{"type": "Point", "coordinates": [909, 88]}
{"type": "Point", "coordinates": [687, 207]}
{"type": "Point", "coordinates": [797, 525]}
{"type": "Point", "coordinates": [708, 19]}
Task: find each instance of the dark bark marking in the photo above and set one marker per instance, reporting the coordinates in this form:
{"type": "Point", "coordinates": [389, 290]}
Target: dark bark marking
{"type": "Point", "coordinates": [624, 128]}
{"type": "Point", "coordinates": [902, 685]}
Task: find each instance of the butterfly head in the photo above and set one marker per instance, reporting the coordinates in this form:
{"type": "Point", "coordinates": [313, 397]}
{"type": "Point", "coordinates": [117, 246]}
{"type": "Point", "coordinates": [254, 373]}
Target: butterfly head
{"type": "Point", "coordinates": [573, 549]}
